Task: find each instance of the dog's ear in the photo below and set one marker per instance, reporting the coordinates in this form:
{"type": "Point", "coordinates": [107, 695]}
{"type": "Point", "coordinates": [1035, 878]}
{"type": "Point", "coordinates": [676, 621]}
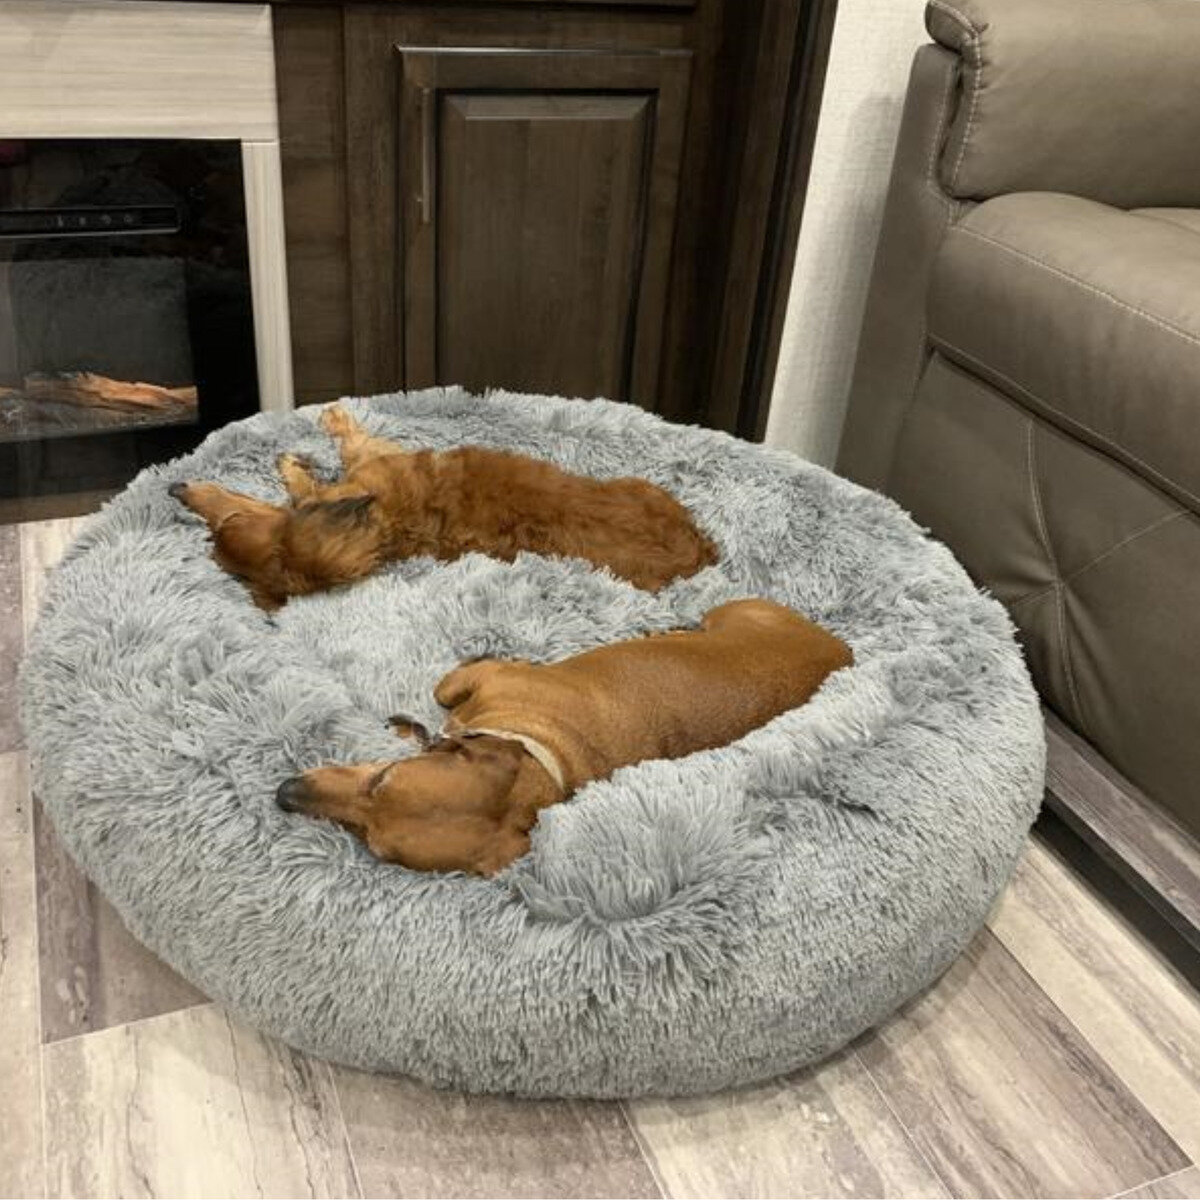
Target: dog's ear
{"type": "Point", "coordinates": [330, 542]}
{"type": "Point", "coordinates": [407, 727]}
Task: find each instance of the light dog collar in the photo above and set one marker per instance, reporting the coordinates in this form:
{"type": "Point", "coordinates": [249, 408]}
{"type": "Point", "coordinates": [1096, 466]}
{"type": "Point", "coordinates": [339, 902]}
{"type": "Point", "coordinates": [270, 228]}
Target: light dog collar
{"type": "Point", "coordinates": [538, 752]}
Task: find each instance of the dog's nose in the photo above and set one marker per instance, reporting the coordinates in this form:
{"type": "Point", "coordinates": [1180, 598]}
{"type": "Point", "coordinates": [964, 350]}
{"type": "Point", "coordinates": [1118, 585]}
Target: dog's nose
{"type": "Point", "coordinates": [176, 490]}
{"type": "Point", "coordinates": [291, 794]}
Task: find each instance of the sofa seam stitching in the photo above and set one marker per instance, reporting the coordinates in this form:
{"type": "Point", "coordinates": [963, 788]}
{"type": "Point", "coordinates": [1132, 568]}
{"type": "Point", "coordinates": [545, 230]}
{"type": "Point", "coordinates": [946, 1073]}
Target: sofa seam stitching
{"type": "Point", "coordinates": [1011, 604]}
{"type": "Point", "coordinates": [1125, 541]}
{"type": "Point", "coordinates": [977, 49]}
{"type": "Point", "coordinates": [931, 180]}
{"type": "Point", "coordinates": [942, 342]}
{"type": "Point", "coordinates": [1067, 657]}
{"type": "Point", "coordinates": [1145, 530]}
{"type": "Point", "coordinates": [1058, 586]}
{"type": "Point", "coordinates": [1039, 515]}
{"type": "Point", "coordinates": [1187, 336]}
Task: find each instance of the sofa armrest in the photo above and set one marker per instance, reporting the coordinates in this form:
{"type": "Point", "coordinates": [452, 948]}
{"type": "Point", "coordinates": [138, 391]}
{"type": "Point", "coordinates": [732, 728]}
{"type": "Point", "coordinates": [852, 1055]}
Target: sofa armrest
{"type": "Point", "coordinates": [1100, 98]}
{"type": "Point", "coordinates": [893, 348]}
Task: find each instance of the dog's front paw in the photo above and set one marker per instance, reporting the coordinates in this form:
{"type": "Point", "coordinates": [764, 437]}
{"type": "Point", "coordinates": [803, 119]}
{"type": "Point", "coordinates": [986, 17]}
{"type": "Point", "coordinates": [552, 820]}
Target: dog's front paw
{"type": "Point", "coordinates": [337, 422]}
{"type": "Point", "coordinates": [296, 471]}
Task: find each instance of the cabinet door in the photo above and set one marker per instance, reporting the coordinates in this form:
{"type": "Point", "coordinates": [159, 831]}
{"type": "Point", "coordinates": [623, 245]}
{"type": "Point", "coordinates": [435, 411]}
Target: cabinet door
{"type": "Point", "coordinates": [538, 195]}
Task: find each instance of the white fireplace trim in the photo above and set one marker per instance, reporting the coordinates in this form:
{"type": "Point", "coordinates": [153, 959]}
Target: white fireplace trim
{"type": "Point", "coordinates": [156, 68]}
{"type": "Point", "coordinates": [268, 273]}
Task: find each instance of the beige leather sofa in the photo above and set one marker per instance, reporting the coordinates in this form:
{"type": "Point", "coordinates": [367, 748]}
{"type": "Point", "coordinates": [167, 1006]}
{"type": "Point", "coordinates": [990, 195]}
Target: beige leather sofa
{"type": "Point", "coordinates": [1028, 382]}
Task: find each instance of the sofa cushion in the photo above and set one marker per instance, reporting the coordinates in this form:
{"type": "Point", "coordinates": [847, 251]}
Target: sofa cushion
{"type": "Point", "coordinates": [1096, 566]}
{"type": "Point", "coordinates": [1094, 97]}
{"type": "Point", "coordinates": [1086, 314]}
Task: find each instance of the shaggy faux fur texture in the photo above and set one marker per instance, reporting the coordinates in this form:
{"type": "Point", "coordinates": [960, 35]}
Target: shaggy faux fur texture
{"type": "Point", "coordinates": [683, 927]}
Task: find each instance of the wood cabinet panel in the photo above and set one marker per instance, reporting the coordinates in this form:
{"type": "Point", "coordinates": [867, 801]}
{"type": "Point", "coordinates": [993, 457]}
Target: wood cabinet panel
{"type": "Point", "coordinates": [374, 183]}
{"type": "Point", "coordinates": [627, 4]}
{"type": "Point", "coordinates": [538, 195]}
{"type": "Point", "coordinates": [312, 134]}
{"type": "Point", "coordinates": [536, 284]}
{"type": "Point", "coordinates": [709, 226]}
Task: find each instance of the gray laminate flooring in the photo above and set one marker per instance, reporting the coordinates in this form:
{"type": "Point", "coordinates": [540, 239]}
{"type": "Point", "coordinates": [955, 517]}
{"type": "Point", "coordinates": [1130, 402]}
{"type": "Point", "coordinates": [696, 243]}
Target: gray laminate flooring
{"type": "Point", "coordinates": [1060, 1057]}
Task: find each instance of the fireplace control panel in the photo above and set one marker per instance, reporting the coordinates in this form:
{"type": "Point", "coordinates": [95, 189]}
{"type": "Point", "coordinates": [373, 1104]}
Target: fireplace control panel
{"type": "Point", "coordinates": [72, 222]}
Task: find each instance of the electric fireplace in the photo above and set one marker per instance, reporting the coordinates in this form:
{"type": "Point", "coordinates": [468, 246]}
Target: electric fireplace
{"type": "Point", "coordinates": [126, 315]}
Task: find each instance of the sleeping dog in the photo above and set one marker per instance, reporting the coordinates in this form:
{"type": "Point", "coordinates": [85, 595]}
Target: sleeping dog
{"type": "Point", "coordinates": [397, 503]}
{"type": "Point", "coordinates": [521, 736]}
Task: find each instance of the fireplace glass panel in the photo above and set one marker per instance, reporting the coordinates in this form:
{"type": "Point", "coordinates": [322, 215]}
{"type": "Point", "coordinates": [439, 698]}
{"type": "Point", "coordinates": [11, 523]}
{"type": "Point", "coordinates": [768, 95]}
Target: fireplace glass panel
{"type": "Point", "coordinates": [126, 321]}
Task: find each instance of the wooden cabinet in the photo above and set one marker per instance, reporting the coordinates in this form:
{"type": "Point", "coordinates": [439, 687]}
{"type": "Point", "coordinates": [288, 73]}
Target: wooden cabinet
{"type": "Point", "coordinates": [538, 213]}
{"type": "Point", "coordinates": [589, 197]}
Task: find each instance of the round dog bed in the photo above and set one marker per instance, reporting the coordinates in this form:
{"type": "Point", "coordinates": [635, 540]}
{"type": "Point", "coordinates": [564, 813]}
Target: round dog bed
{"type": "Point", "coordinates": [682, 927]}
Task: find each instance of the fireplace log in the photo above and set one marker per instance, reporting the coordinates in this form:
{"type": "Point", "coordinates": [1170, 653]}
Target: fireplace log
{"type": "Point", "coordinates": [85, 388]}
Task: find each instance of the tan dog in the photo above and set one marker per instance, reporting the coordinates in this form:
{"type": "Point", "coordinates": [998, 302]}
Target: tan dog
{"type": "Point", "coordinates": [396, 503]}
{"type": "Point", "coordinates": [521, 736]}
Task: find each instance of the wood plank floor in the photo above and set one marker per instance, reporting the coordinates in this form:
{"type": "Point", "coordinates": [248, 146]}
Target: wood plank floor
{"type": "Point", "coordinates": [1059, 1057]}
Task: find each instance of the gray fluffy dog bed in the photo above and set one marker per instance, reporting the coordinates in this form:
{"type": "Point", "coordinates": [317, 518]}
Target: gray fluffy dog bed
{"type": "Point", "coordinates": [683, 927]}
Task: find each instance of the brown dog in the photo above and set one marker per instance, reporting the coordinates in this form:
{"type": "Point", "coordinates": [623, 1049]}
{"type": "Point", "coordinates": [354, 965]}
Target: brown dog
{"type": "Point", "coordinates": [522, 736]}
{"type": "Point", "coordinates": [397, 503]}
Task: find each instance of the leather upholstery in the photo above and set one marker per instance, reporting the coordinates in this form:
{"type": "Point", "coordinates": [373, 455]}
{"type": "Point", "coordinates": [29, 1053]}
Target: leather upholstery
{"type": "Point", "coordinates": [1184, 218]}
{"type": "Point", "coordinates": [1028, 378]}
{"type": "Point", "coordinates": [915, 219]}
{"type": "Point", "coordinates": [1098, 568]}
{"type": "Point", "coordinates": [1090, 315]}
{"type": "Point", "coordinates": [1094, 97]}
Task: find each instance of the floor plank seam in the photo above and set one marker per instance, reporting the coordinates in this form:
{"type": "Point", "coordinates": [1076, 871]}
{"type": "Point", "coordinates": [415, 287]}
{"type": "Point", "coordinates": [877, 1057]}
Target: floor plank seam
{"type": "Point", "coordinates": [645, 1151]}
{"type": "Point", "coordinates": [1012, 948]}
{"type": "Point", "coordinates": [37, 986]}
{"type": "Point", "coordinates": [85, 1034]}
{"type": "Point", "coordinates": [32, 585]}
{"type": "Point", "coordinates": [341, 1112]}
{"type": "Point", "coordinates": [1154, 1182]}
{"type": "Point", "coordinates": [24, 580]}
{"type": "Point", "coordinates": [900, 1121]}
{"type": "Point", "coordinates": [27, 799]}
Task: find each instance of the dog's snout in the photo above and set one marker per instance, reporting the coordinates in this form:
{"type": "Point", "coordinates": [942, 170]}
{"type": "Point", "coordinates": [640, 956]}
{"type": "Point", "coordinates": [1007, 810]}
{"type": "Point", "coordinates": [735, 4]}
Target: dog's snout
{"type": "Point", "coordinates": [292, 794]}
{"type": "Point", "coordinates": [177, 490]}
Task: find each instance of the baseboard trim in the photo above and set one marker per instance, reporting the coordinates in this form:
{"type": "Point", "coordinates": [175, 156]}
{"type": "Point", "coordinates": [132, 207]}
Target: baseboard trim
{"type": "Point", "coordinates": [1142, 843]}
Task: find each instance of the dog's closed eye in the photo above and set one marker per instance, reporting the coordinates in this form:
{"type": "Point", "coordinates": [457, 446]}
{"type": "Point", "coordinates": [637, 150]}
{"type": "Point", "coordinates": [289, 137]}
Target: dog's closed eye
{"type": "Point", "coordinates": [350, 508]}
